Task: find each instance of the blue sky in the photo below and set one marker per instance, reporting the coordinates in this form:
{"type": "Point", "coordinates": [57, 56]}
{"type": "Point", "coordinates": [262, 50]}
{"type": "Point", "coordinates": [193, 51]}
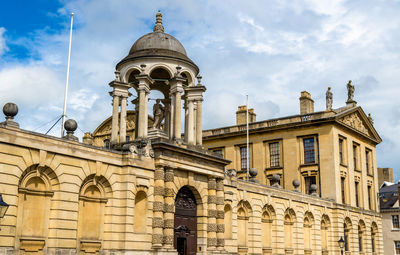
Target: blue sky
{"type": "Point", "coordinates": [270, 50]}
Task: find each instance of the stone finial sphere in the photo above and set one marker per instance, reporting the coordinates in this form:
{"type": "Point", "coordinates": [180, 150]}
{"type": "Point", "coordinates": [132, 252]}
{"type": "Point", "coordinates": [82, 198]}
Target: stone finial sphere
{"type": "Point", "coordinates": [276, 178]}
{"type": "Point", "coordinates": [313, 187]}
{"type": "Point", "coordinates": [10, 109]}
{"type": "Point", "coordinates": [296, 183]}
{"type": "Point", "coordinates": [70, 125]}
{"type": "Point", "coordinates": [253, 172]}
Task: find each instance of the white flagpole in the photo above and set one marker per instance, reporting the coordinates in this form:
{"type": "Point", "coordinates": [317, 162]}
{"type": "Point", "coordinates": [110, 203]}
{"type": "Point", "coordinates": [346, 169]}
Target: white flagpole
{"type": "Point", "coordinates": [66, 83]}
{"type": "Point", "coordinates": [247, 138]}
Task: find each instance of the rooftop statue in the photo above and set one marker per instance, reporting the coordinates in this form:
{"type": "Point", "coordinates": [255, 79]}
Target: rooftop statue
{"type": "Point", "coordinates": [329, 99]}
{"type": "Point", "coordinates": [350, 92]}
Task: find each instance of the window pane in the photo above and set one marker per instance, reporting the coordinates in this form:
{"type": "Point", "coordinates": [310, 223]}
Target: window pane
{"type": "Point", "coordinates": [243, 157]}
{"type": "Point", "coordinates": [357, 195]}
{"type": "Point", "coordinates": [309, 153]}
{"type": "Point", "coordinates": [342, 184]}
{"type": "Point", "coordinates": [341, 151]}
{"type": "Point", "coordinates": [274, 154]}
{"type": "Point", "coordinates": [395, 221]}
{"type": "Point", "coordinates": [218, 151]}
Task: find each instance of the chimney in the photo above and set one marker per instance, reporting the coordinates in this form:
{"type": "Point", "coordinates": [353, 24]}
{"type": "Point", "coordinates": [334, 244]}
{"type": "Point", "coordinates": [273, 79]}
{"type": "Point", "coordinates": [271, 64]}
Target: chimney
{"type": "Point", "coordinates": [241, 115]}
{"type": "Point", "coordinates": [306, 103]}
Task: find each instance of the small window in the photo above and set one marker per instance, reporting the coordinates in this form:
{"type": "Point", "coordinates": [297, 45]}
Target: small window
{"type": "Point", "coordinates": [274, 154]}
{"type": "Point", "coordinates": [218, 151]}
{"type": "Point", "coordinates": [355, 156]}
{"type": "Point", "coordinates": [309, 151]}
{"type": "Point", "coordinates": [341, 151]}
{"type": "Point", "coordinates": [342, 186]}
{"type": "Point", "coordinates": [368, 161]}
{"type": "Point", "coordinates": [107, 143]}
{"type": "Point", "coordinates": [127, 138]}
{"type": "Point", "coordinates": [369, 197]}
{"type": "Point", "coordinates": [309, 180]}
{"type": "Point", "coordinates": [397, 247]}
{"type": "Point", "coordinates": [357, 194]}
{"type": "Point", "coordinates": [243, 157]}
{"type": "Point", "coordinates": [395, 221]}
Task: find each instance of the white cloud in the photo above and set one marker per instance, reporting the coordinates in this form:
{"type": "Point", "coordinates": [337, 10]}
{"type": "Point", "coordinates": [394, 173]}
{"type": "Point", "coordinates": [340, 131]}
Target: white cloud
{"type": "Point", "coordinates": [3, 46]}
{"type": "Point", "coordinates": [268, 50]}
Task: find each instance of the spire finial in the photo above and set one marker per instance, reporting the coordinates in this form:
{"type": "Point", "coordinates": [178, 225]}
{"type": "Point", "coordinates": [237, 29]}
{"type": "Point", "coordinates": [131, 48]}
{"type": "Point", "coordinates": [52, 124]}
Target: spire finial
{"type": "Point", "coordinates": [158, 27]}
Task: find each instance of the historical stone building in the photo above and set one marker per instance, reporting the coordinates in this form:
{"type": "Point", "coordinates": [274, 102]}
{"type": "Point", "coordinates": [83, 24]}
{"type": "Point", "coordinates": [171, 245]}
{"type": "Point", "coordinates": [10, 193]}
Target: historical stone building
{"type": "Point", "coordinates": [137, 185]}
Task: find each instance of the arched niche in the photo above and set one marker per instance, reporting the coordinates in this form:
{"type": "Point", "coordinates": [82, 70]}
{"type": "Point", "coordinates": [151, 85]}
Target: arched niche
{"type": "Point", "coordinates": [36, 189]}
{"type": "Point", "coordinates": [267, 226]}
{"type": "Point", "coordinates": [140, 212]}
{"type": "Point", "coordinates": [347, 226]}
{"type": "Point", "coordinates": [93, 196]}
{"type": "Point", "coordinates": [361, 236]}
{"type": "Point", "coordinates": [325, 238]}
{"type": "Point", "coordinates": [244, 212]}
{"type": "Point", "coordinates": [289, 220]}
{"type": "Point", "coordinates": [374, 236]}
{"type": "Point", "coordinates": [308, 224]}
{"type": "Point", "coordinates": [228, 221]}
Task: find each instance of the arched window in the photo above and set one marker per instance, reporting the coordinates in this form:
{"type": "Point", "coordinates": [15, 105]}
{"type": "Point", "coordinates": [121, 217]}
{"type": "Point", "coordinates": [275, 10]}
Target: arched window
{"type": "Point", "coordinates": [307, 231]}
{"type": "Point", "coordinates": [228, 221]}
{"type": "Point", "coordinates": [347, 234]}
{"type": "Point", "coordinates": [140, 211]}
{"type": "Point", "coordinates": [325, 223]}
{"type": "Point", "coordinates": [289, 220]}
{"type": "Point", "coordinates": [242, 227]}
{"type": "Point", "coordinates": [361, 234]}
{"type": "Point", "coordinates": [374, 234]}
{"type": "Point", "coordinates": [266, 224]}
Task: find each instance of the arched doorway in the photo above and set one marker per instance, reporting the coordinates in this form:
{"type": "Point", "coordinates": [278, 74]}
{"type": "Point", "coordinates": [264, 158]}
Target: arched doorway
{"type": "Point", "coordinates": [185, 222]}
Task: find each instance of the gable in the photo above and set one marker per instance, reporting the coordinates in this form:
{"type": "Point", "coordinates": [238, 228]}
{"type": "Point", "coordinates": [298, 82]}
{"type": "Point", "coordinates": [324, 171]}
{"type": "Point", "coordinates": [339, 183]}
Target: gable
{"type": "Point", "coordinates": [356, 119]}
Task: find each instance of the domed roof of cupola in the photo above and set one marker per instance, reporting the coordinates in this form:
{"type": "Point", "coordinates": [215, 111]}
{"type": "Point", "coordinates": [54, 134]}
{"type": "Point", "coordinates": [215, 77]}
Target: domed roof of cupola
{"type": "Point", "coordinates": [158, 44]}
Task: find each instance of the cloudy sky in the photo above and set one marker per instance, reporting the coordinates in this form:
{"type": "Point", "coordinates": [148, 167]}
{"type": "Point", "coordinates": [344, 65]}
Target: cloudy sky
{"type": "Point", "coordinates": [270, 50]}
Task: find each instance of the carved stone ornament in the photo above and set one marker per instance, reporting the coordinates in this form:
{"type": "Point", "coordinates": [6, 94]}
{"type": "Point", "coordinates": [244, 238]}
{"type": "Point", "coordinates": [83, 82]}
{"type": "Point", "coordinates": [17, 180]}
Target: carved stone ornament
{"type": "Point", "coordinates": [354, 121]}
{"type": "Point", "coordinates": [230, 172]}
{"type": "Point", "coordinates": [185, 199]}
{"type": "Point", "coordinates": [142, 147]}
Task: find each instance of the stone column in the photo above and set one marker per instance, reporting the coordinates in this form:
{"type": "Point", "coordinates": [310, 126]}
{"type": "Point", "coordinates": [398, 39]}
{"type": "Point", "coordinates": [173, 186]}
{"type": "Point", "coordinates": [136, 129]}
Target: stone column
{"type": "Point", "coordinates": [199, 123]}
{"type": "Point", "coordinates": [122, 125]}
{"type": "Point", "coordinates": [169, 203]}
{"type": "Point", "coordinates": [158, 207]}
{"type": "Point", "coordinates": [172, 117]}
{"type": "Point", "coordinates": [190, 129]}
{"type": "Point", "coordinates": [167, 123]}
{"type": "Point", "coordinates": [141, 126]}
{"type": "Point", "coordinates": [212, 213]}
{"type": "Point", "coordinates": [114, 121]}
{"type": "Point", "coordinates": [177, 120]}
{"type": "Point", "coordinates": [220, 214]}
{"type": "Point", "coordinates": [185, 106]}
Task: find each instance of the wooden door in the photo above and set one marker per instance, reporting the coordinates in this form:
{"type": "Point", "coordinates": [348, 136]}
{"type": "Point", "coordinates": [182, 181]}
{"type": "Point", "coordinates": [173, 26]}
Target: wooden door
{"type": "Point", "coordinates": [185, 222]}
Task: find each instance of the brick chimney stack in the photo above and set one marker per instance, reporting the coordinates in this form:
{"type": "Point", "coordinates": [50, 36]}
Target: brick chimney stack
{"type": "Point", "coordinates": [241, 115]}
{"type": "Point", "coordinates": [306, 103]}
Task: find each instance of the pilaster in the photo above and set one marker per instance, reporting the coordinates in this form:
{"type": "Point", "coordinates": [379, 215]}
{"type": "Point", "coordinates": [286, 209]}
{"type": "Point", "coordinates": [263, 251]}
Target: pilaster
{"type": "Point", "coordinates": [212, 214]}
{"type": "Point", "coordinates": [158, 207]}
{"type": "Point", "coordinates": [220, 214]}
{"type": "Point", "coordinates": [169, 203]}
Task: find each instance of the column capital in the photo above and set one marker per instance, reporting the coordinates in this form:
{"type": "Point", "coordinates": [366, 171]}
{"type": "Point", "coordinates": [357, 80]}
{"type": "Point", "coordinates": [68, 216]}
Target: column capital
{"type": "Point", "coordinates": [144, 82]}
{"type": "Point", "coordinates": [176, 85]}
